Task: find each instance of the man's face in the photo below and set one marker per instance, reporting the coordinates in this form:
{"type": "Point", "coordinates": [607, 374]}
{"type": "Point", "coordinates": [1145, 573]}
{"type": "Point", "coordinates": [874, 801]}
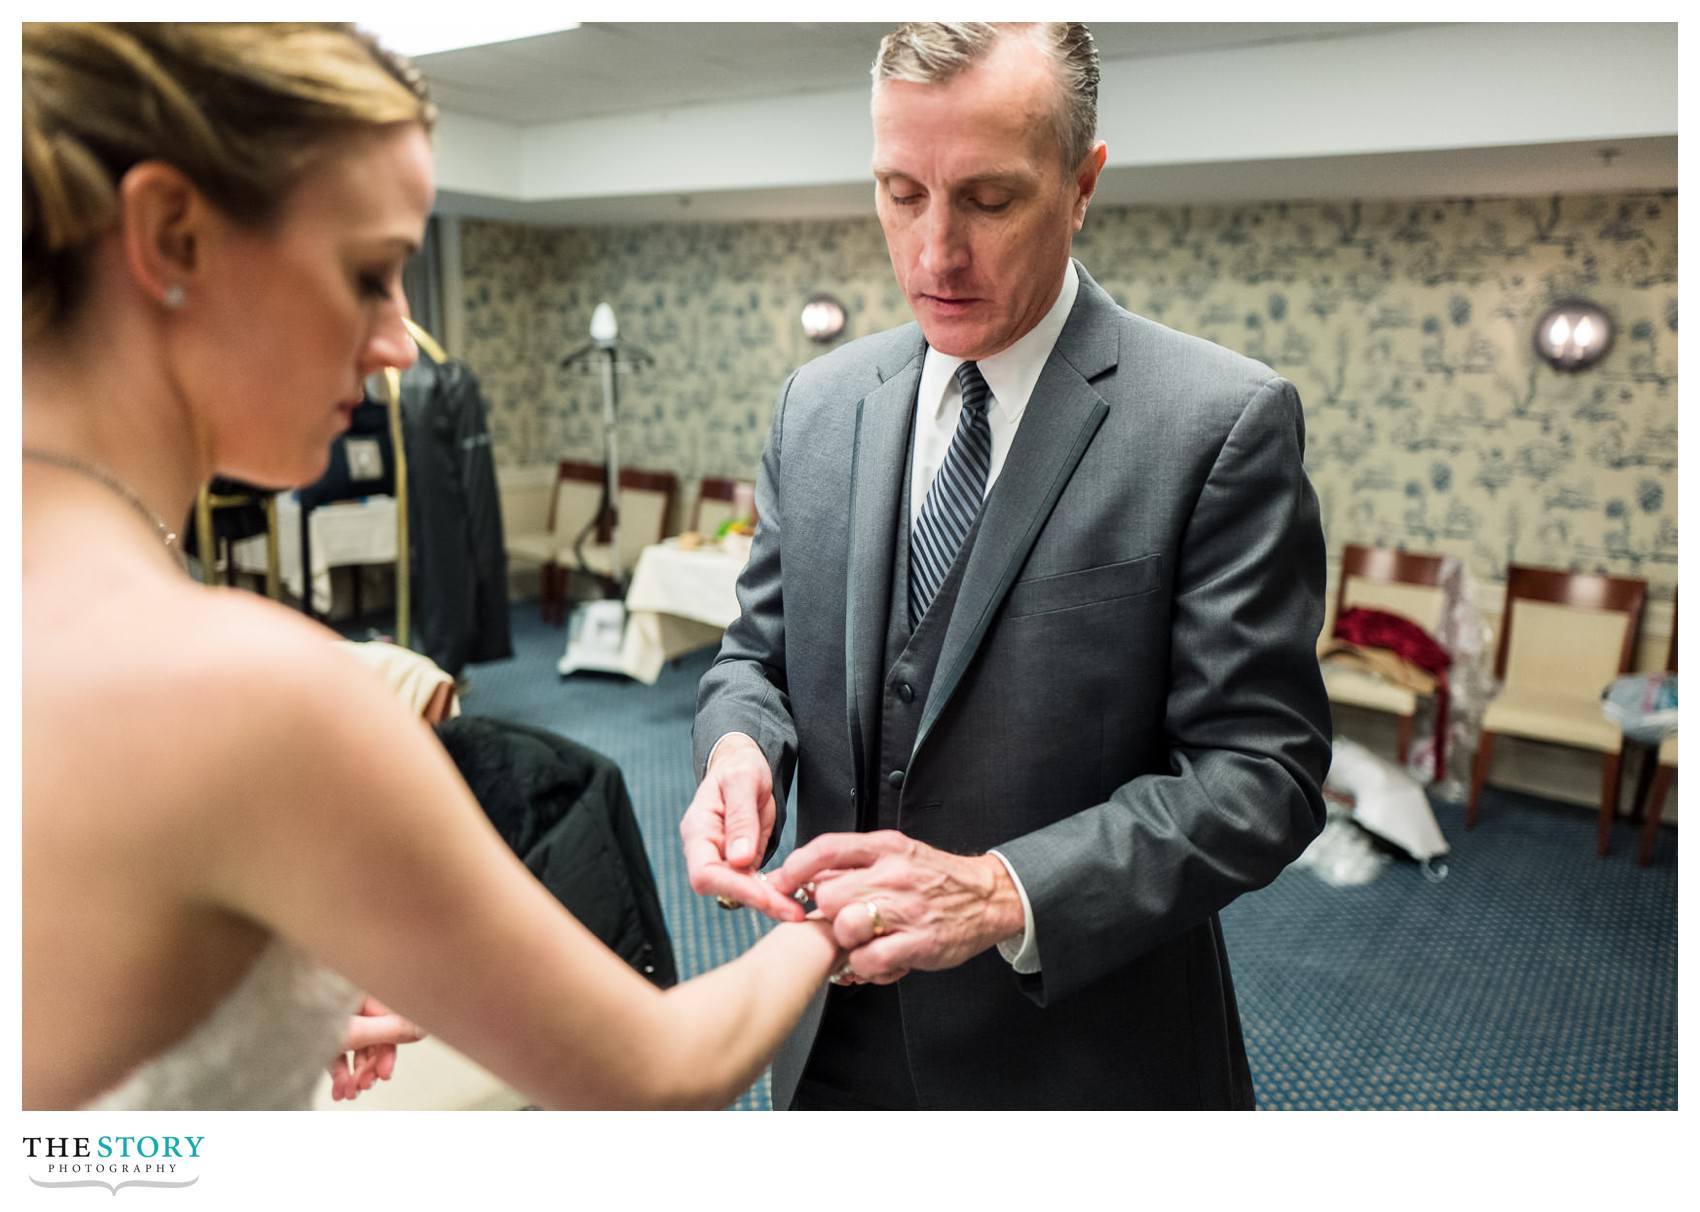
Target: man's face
{"type": "Point", "coordinates": [978, 210]}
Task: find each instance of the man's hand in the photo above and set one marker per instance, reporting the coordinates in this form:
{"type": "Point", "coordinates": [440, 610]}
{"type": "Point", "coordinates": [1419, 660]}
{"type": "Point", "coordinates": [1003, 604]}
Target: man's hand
{"type": "Point", "coordinates": [372, 1035]}
{"type": "Point", "coordinates": [930, 910]}
{"type": "Point", "coordinates": [726, 827]}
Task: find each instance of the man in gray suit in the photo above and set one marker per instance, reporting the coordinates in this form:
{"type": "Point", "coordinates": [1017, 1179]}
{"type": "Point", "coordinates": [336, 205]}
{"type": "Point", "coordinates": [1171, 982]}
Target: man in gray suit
{"type": "Point", "coordinates": [1030, 616]}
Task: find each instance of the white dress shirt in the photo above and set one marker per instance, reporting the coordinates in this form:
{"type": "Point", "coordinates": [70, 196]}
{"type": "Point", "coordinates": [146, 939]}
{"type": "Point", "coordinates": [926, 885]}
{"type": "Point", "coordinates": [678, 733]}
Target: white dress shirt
{"type": "Point", "coordinates": [1011, 376]}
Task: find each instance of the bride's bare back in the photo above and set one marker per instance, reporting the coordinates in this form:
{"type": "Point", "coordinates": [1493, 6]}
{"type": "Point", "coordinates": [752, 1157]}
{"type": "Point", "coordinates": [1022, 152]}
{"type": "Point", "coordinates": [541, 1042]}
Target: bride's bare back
{"type": "Point", "coordinates": [134, 773]}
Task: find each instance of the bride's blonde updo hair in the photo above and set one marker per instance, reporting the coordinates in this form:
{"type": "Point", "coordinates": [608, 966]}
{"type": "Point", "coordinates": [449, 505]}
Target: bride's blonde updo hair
{"type": "Point", "coordinates": [240, 109]}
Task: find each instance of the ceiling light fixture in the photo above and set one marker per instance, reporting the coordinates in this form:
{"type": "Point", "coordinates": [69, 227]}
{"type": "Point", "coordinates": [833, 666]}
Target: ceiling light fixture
{"type": "Point", "coordinates": [415, 36]}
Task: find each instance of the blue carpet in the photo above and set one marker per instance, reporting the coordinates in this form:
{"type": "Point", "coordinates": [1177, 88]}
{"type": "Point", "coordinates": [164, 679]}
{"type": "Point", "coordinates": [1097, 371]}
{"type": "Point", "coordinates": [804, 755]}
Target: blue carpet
{"type": "Point", "coordinates": [1535, 976]}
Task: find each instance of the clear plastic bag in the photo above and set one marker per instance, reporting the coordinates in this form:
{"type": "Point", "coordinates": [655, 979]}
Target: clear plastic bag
{"type": "Point", "coordinates": [1342, 853]}
{"type": "Point", "coordinates": [1466, 637]}
{"type": "Point", "coordinates": [1643, 705]}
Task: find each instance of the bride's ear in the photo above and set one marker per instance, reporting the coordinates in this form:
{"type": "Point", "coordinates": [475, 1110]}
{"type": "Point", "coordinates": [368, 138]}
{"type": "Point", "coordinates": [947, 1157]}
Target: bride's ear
{"type": "Point", "coordinates": [162, 221]}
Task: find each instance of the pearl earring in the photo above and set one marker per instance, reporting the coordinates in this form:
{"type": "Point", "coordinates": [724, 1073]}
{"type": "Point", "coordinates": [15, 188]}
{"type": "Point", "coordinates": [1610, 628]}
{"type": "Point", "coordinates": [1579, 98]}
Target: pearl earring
{"type": "Point", "coordinates": [174, 296]}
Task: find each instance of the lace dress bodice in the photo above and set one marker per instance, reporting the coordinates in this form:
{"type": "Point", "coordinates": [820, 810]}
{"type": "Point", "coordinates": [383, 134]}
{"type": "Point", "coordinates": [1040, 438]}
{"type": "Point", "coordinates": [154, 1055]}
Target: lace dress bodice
{"type": "Point", "coordinates": [263, 1047]}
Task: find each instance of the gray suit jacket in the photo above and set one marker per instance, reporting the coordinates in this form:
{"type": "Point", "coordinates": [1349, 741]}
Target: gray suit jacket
{"type": "Point", "coordinates": [1127, 704]}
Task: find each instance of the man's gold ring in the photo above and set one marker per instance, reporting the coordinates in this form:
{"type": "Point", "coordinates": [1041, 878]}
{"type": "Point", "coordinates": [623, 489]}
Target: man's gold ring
{"type": "Point", "coordinates": [876, 921]}
{"type": "Point", "coordinates": [726, 902]}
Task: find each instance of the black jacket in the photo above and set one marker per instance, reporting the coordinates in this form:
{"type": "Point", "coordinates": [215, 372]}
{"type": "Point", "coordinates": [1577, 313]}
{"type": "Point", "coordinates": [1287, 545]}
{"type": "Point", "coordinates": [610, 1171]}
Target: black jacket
{"type": "Point", "coordinates": [454, 517]}
{"type": "Point", "coordinates": [564, 810]}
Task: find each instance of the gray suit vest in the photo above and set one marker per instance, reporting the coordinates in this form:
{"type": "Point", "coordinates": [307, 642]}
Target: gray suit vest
{"type": "Point", "coordinates": [861, 1037]}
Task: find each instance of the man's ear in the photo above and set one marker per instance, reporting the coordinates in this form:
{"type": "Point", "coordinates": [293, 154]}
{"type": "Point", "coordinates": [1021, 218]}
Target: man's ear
{"type": "Point", "coordinates": [161, 216]}
{"type": "Point", "coordinates": [1086, 180]}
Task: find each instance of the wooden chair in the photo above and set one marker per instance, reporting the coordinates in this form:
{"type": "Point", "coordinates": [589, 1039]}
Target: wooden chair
{"type": "Point", "coordinates": [1656, 799]}
{"type": "Point", "coordinates": [572, 501]}
{"type": "Point", "coordinates": [715, 498]}
{"type": "Point", "coordinates": [1400, 582]}
{"type": "Point", "coordinates": [646, 508]}
{"type": "Point", "coordinates": [646, 503]}
{"type": "Point", "coordinates": [1661, 763]}
{"type": "Point", "coordinates": [1563, 637]}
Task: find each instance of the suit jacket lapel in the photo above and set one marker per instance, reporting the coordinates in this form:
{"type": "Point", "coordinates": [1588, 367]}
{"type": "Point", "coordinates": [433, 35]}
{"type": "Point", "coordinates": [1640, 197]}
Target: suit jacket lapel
{"type": "Point", "coordinates": [883, 422]}
{"type": "Point", "coordinates": [1061, 419]}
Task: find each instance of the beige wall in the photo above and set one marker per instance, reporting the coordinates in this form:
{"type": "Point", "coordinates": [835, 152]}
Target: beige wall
{"type": "Point", "coordinates": [1406, 326]}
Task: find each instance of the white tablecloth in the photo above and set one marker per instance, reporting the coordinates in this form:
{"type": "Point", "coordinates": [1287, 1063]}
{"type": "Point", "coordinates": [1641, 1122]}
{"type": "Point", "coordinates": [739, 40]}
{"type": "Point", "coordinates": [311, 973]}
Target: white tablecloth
{"type": "Point", "coordinates": [348, 532]}
{"type": "Point", "coordinates": [680, 600]}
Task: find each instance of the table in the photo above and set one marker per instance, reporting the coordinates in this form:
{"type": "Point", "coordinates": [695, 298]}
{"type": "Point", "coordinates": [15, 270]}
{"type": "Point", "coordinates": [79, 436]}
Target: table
{"type": "Point", "coordinates": [680, 599]}
{"type": "Point", "coordinates": [349, 532]}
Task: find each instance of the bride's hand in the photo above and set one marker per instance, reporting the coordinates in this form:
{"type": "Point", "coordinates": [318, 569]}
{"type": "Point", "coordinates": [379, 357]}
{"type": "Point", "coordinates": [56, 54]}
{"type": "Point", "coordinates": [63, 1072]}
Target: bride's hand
{"type": "Point", "coordinates": [373, 1033]}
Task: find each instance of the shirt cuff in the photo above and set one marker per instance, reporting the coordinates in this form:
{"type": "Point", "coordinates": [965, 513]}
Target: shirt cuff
{"type": "Point", "coordinates": [722, 741]}
{"type": "Point", "coordinates": [1021, 953]}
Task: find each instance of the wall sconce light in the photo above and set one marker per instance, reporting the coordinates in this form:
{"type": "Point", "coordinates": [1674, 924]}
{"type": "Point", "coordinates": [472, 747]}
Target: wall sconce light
{"type": "Point", "coordinates": [823, 318]}
{"type": "Point", "coordinates": [1573, 334]}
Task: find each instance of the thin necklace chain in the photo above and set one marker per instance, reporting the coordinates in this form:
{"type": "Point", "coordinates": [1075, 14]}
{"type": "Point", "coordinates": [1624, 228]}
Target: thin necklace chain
{"type": "Point", "coordinates": [108, 480]}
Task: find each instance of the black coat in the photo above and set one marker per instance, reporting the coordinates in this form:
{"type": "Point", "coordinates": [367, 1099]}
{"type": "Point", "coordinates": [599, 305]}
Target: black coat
{"type": "Point", "coordinates": [564, 810]}
{"type": "Point", "coordinates": [454, 518]}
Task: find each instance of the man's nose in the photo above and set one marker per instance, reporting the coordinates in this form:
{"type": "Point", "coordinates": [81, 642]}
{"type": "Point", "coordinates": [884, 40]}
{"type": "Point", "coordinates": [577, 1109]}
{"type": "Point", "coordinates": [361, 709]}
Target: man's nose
{"type": "Point", "coordinates": [944, 243]}
{"type": "Point", "coordinates": [390, 344]}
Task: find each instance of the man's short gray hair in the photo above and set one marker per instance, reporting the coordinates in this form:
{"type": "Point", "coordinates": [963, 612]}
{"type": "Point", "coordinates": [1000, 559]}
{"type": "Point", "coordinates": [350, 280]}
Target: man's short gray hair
{"type": "Point", "coordinates": [931, 52]}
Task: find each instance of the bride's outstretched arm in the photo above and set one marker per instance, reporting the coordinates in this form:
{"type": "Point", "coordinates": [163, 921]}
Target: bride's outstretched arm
{"type": "Point", "coordinates": [345, 828]}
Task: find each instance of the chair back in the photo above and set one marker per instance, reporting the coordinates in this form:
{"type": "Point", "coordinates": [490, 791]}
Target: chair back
{"type": "Point", "coordinates": [1567, 632]}
{"type": "Point", "coordinates": [646, 506]}
{"type": "Point", "coordinates": [1405, 583]}
{"type": "Point", "coordinates": [715, 504]}
{"type": "Point", "coordinates": [646, 502]}
{"type": "Point", "coordinates": [578, 491]}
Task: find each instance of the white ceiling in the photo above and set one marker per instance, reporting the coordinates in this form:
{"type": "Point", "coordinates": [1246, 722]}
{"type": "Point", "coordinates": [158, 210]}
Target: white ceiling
{"type": "Point", "coordinates": [606, 68]}
{"type": "Point", "coordinates": [646, 122]}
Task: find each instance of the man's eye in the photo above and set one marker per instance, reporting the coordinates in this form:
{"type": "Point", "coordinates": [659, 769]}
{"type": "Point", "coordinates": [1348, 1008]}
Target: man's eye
{"type": "Point", "coordinates": [374, 286]}
{"type": "Point", "coordinates": [906, 199]}
{"type": "Point", "coordinates": [991, 208]}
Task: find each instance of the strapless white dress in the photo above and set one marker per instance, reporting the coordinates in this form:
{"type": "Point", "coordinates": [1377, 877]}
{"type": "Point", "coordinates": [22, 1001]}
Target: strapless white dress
{"type": "Point", "coordinates": [263, 1048]}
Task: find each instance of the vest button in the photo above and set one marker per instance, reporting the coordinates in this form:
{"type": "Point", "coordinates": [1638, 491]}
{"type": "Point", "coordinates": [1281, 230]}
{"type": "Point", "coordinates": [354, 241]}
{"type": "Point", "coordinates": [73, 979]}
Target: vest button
{"type": "Point", "coordinates": [895, 778]}
{"type": "Point", "coordinates": [906, 692]}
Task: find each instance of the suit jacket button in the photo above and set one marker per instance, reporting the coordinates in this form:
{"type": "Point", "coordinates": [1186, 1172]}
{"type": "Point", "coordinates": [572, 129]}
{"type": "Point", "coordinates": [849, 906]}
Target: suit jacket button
{"type": "Point", "coordinates": [895, 778]}
{"type": "Point", "coordinates": [906, 692]}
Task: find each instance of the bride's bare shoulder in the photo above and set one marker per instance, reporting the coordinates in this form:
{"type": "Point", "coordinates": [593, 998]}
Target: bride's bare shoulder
{"type": "Point", "coordinates": [226, 635]}
{"type": "Point", "coordinates": [202, 672]}
{"type": "Point", "coordinates": [203, 714]}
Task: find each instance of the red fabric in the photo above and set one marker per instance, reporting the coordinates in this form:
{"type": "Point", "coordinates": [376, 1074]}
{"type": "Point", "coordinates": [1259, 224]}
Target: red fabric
{"type": "Point", "coordinates": [1400, 636]}
{"type": "Point", "coordinates": [1394, 632]}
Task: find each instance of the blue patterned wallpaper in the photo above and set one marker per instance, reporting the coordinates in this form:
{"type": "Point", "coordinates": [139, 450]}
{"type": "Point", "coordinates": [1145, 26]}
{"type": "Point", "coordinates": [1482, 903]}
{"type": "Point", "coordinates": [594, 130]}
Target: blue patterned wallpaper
{"type": "Point", "coordinates": [1406, 325]}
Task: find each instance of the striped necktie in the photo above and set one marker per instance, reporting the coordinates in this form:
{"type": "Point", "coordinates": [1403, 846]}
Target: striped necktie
{"type": "Point", "coordinates": [954, 498]}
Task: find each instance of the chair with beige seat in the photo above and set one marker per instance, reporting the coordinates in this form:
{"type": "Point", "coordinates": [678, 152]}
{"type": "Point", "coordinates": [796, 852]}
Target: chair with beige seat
{"type": "Point", "coordinates": [573, 499]}
{"type": "Point", "coordinates": [716, 504]}
{"type": "Point", "coordinates": [1399, 582]}
{"type": "Point", "coordinates": [645, 504]}
{"type": "Point", "coordinates": [1563, 638]}
{"type": "Point", "coordinates": [1656, 799]}
{"type": "Point", "coordinates": [646, 509]}
{"type": "Point", "coordinates": [1659, 769]}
